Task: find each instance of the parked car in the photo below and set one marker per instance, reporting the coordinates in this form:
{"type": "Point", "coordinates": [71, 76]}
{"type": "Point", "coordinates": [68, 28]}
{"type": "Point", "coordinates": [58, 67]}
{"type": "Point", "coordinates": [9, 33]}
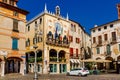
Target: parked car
{"type": "Point", "coordinates": [78, 72]}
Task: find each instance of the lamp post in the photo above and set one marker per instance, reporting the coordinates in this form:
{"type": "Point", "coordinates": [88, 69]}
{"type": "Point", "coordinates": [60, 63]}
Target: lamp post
{"type": "Point", "coordinates": [35, 63]}
{"type": "Point", "coordinates": [35, 47]}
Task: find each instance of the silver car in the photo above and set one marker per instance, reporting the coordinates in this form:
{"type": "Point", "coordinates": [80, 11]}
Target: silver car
{"type": "Point", "coordinates": [78, 72]}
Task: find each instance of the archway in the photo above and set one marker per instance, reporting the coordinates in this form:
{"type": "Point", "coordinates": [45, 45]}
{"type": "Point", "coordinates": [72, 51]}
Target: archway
{"type": "Point", "coordinates": [13, 65]}
{"type": "Point", "coordinates": [99, 64]}
{"type": "Point", "coordinates": [110, 66]}
{"type": "Point", "coordinates": [62, 58]}
{"type": "Point", "coordinates": [53, 55]}
{"type": "Point", "coordinates": [62, 55]}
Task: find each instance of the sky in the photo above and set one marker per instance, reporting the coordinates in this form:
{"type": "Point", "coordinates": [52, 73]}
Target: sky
{"type": "Point", "coordinates": [86, 12]}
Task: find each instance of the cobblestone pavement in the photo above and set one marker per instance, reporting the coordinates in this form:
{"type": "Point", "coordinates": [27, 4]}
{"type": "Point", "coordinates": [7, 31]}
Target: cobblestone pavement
{"type": "Point", "coordinates": [60, 77]}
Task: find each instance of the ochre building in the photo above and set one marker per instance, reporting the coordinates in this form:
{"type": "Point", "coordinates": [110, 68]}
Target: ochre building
{"type": "Point", "coordinates": [59, 43]}
{"type": "Point", "coordinates": [12, 37]}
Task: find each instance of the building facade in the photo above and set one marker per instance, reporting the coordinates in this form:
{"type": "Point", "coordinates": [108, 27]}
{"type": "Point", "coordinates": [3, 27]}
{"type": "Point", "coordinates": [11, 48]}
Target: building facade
{"type": "Point", "coordinates": [80, 45]}
{"type": "Point", "coordinates": [106, 43]}
{"type": "Point", "coordinates": [52, 41]}
{"type": "Point", "coordinates": [58, 41]}
{"type": "Point", "coordinates": [12, 33]}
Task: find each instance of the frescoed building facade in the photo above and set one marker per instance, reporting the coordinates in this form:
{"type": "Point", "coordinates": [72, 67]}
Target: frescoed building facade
{"type": "Point", "coordinates": [58, 41]}
{"type": "Point", "coordinates": [12, 35]}
{"type": "Point", "coordinates": [52, 42]}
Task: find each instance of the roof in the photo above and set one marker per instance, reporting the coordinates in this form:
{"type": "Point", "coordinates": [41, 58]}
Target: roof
{"type": "Point", "coordinates": [106, 24]}
{"type": "Point", "coordinates": [13, 8]}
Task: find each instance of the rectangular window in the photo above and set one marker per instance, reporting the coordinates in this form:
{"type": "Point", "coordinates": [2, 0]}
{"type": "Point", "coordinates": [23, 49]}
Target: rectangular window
{"type": "Point", "coordinates": [11, 2]}
{"type": "Point", "coordinates": [98, 50]}
{"type": "Point", "coordinates": [108, 49]}
{"type": "Point", "coordinates": [70, 38]}
{"type": "Point", "coordinates": [34, 40]}
{"type": "Point", "coordinates": [99, 29]}
{"type": "Point", "coordinates": [15, 13]}
{"type": "Point", "coordinates": [105, 27]}
{"type": "Point", "coordinates": [28, 28]}
{"type": "Point", "coordinates": [99, 39]}
{"type": "Point", "coordinates": [76, 52]}
{"type": "Point", "coordinates": [113, 36]}
{"type": "Point", "coordinates": [5, 1]}
{"type": "Point", "coordinates": [119, 47]}
{"type": "Point", "coordinates": [40, 20]}
{"type": "Point", "coordinates": [77, 40]}
{"type": "Point", "coordinates": [105, 37]}
{"type": "Point", "coordinates": [78, 31]}
{"type": "Point", "coordinates": [74, 28]}
{"type": "Point", "coordinates": [15, 44]}
{"type": "Point", "coordinates": [71, 52]}
{"type": "Point", "coordinates": [15, 25]}
{"type": "Point", "coordinates": [94, 40]}
{"type": "Point", "coordinates": [93, 31]}
{"type": "Point", "coordinates": [111, 25]}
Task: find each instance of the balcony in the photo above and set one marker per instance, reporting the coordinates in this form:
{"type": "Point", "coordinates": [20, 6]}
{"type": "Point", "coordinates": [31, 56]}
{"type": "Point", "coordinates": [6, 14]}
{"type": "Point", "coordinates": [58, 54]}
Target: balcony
{"type": "Point", "coordinates": [56, 42]}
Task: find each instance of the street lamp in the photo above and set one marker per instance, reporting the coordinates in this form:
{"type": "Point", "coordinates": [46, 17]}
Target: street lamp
{"type": "Point", "coordinates": [35, 63]}
{"type": "Point", "coordinates": [35, 47]}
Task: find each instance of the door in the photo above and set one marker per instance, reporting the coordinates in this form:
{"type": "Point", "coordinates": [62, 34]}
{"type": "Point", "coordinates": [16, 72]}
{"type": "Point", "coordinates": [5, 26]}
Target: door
{"type": "Point", "coordinates": [53, 68]}
{"type": "Point", "coordinates": [62, 68]}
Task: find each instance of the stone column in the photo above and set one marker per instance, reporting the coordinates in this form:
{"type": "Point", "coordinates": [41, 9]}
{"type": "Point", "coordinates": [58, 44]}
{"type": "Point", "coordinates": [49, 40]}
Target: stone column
{"type": "Point", "coordinates": [58, 69]}
{"type": "Point", "coordinates": [2, 68]}
{"type": "Point", "coordinates": [45, 70]}
{"type": "Point", "coordinates": [57, 57]}
{"type": "Point", "coordinates": [22, 65]}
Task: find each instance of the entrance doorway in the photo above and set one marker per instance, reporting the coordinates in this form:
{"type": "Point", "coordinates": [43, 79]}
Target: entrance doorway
{"type": "Point", "coordinates": [53, 68]}
{"type": "Point", "coordinates": [62, 68]}
{"type": "Point", "coordinates": [13, 65]}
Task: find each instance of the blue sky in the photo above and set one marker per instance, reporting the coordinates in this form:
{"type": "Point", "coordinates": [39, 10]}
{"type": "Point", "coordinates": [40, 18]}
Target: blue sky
{"type": "Point", "coordinates": [86, 12]}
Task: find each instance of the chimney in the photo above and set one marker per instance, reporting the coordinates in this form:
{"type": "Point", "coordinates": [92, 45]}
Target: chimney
{"type": "Point", "coordinates": [118, 8]}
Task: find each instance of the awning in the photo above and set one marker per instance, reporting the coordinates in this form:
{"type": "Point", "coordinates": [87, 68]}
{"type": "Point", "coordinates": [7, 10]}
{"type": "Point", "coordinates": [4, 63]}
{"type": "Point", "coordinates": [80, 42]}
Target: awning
{"type": "Point", "coordinates": [93, 60]}
{"type": "Point", "coordinates": [78, 61]}
{"type": "Point", "coordinates": [74, 61]}
{"type": "Point", "coordinates": [71, 60]}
